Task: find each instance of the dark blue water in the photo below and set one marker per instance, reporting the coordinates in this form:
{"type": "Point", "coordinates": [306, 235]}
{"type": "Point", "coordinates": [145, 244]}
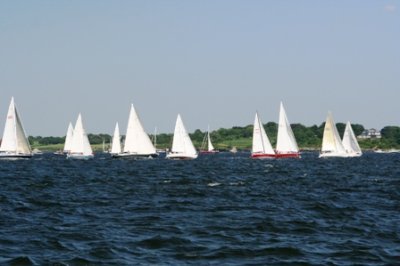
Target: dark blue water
{"type": "Point", "coordinates": [221, 209]}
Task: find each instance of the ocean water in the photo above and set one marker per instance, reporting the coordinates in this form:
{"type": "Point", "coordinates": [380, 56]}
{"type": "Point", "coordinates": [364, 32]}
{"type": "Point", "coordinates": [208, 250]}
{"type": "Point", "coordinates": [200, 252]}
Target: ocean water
{"type": "Point", "coordinates": [217, 210]}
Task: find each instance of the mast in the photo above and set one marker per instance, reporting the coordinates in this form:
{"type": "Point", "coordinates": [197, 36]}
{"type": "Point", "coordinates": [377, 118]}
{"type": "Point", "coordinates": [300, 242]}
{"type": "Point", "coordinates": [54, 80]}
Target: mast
{"type": "Point", "coordinates": [155, 138]}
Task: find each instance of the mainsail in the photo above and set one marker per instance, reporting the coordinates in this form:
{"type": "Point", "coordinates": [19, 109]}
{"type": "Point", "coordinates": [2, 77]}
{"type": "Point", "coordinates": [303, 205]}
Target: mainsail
{"type": "Point", "coordinates": [286, 142]}
{"type": "Point", "coordinates": [116, 141]}
{"type": "Point", "coordinates": [210, 145]}
{"type": "Point", "coordinates": [68, 138]}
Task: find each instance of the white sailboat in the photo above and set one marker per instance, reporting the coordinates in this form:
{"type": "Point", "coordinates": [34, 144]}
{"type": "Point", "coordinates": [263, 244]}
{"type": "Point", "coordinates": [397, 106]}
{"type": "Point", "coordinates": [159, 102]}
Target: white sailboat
{"type": "Point", "coordinates": [68, 138]}
{"type": "Point", "coordinates": [14, 143]}
{"type": "Point", "coordinates": [350, 142]}
{"type": "Point", "coordinates": [80, 147]}
{"type": "Point", "coordinates": [233, 150]}
{"type": "Point", "coordinates": [116, 141]}
{"type": "Point", "coordinates": [137, 142]}
{"type": "Point", "coordinates": [332, 145]}
{"type": "Point", "coordinates": [261, 147]}
{"type": "Point", "coordinates": [182, 146]}
{"type": "Point", "coordinates": [207, 147]}
{"type": "Point", "coordinates": [286, 145]}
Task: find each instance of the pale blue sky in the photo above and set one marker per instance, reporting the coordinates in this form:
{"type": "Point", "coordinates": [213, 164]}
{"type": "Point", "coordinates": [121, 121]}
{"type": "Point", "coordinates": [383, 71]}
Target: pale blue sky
{"type": "Point", "coordinates": [215, 62]}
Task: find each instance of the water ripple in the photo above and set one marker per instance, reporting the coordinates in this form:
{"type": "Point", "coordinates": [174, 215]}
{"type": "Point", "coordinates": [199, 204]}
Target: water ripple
{"type": "Point", "coordinates": [224, 209]}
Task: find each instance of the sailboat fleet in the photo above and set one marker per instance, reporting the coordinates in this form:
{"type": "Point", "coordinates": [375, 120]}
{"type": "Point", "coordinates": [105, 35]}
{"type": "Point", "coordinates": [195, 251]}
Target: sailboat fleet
{"type": "Point", "coordinates": [333, 146]}
{"type": "Point", "coordinates": [286, 146]}
{"type": "Point", "coordinates": [137, 143]}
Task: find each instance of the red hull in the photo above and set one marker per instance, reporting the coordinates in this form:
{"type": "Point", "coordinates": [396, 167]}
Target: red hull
{"type": "Point", "coordinates": [288, 155]}
{"type": "Point", "coordinates": [262, 156]}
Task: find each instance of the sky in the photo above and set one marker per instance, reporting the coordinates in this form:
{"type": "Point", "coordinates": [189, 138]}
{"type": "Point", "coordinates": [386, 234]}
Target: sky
{"type": "Point", "coordinates": [214, 62]}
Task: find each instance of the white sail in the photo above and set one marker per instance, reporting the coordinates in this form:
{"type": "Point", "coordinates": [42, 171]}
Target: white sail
{"type": "Point", "coordinates": [68, 138]}
{"type": "Point", "coordinates": [331, 144]}
{"type": "Point", "coordinates": [286, 142]}
{"type": "Point", "coordinates": [182, 145]}
{"type": "Point", "coordinates": [137, 141]}
{"type": "Point", "coordinates": [80, 143]}
{"type": "Point", "coordinates": [206, 145]}
{"type": "Point", "coordinates": [116, 141]}
{"type": "Point", "coordinates": [350, 142]}
{"type": "Point", "coordinates": [261, 143]}
{"type": "Point", "coordinates": [14, 141]}
{"type": "Point", "coordinates": [210, 145]}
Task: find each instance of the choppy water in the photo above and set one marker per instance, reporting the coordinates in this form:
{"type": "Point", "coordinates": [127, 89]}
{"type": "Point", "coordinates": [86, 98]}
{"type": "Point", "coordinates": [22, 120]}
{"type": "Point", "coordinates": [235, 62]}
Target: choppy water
{"type": "Point", "coordinates": [221, 209]}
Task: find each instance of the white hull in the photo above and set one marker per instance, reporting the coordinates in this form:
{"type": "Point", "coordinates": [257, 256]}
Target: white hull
{"type": "Point", "coordinates": [181, 156]}
{"type": "Point", "coordinates": [333, 154]}
{"type": "Point", "coordinates": [10, 155]}
{"type": "Point", "coordinates": [387, 151]}
{"type": "Point", "coordinates": [135, 155]}
{"type": "Point", "coordinates": [355, 154]}
{"type": "Point", "coordinates": [80, 156]}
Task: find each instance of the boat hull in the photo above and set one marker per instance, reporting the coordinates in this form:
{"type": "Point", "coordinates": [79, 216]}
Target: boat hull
{"type": "Point", "coordinates": [209, 152]}
{"type": "Point", "coordinates": [6, 155]}
{"type": "Point", "coordinates": [75, 156]}
{"type": "Point", "coordinates": [134, 155]}
{"type": "Point", "coordinates": [287, 155]}
{"type": "Point", "coordinates": [354, 154]}
{"type": "Point", "coordinates": [180, 156]}
{"type": "Point", "coordinates": [262, 156]}
{"type": "Point", "coordinates": [333, 155]}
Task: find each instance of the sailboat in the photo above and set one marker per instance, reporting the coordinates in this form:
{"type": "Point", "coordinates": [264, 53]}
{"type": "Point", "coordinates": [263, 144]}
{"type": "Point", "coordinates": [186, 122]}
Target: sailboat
{"type": "Point", "coordinates": [116, 141]}
{"type": "Point", "coordinates": [332, 146]}
{"type": "Point", "coordinates": [286, 145]}
{"type": "Point", "coordinates": [14, 143]}
{"type": "Point", "coordinates": [68, 138]}
{"type": "Point", "coordinates": [233, 150]}
{"type": "Point", "coordinates": [137, 142]}
{"type": "Point", "coordinates": [261, 147]}
{"type": "Point", "coordinates": [80, 147]}
{"type": "Point", "coordinates": [350, 143]}
{"type": "Point", "coordinates": [207, 147]}
{"type": "Point", "coordinates": [182, 146]}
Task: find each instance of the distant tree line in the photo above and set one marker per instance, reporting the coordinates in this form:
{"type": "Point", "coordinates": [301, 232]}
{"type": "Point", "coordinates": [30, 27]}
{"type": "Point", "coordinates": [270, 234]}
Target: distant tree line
{"type": "Point", "coordinates": [223, 138]}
